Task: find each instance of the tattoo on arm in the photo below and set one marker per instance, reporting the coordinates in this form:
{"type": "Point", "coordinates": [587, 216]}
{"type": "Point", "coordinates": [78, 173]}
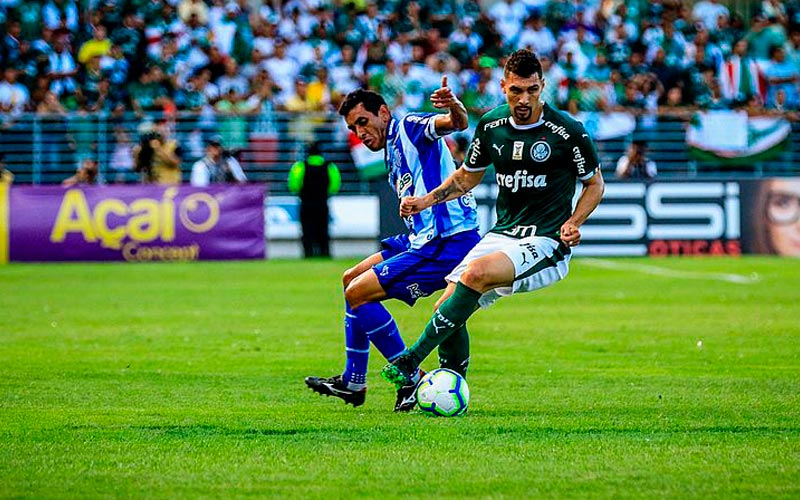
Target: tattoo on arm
{"type": "Point", "coordinates": [450, 190]}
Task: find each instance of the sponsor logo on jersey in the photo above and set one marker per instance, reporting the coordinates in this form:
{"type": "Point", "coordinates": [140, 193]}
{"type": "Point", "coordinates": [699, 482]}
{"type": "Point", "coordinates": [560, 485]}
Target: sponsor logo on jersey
{"type": "Point", "coordinates": [516, 154]}
{"type": "Point", "coordinates": [385, 271]}
{"type": "Point", "coordinates": [540, 151]}
{"type": "Point", "coordinates": [475, 151]}
{"type": "Point", "coordinates": [521, 180]}
{"type": "Point", "coordinates": [403, 183]}
{"type": "Point", "coordinates": [499, 149]}
{"type": "Point", "coordinates": [579, 160]}
{"type": "Point", "coordinates": [414, 118]}
{"type": "Point", "coordinates": [415, 292]}
{"type": "Point", "coordinates": [495, 123]}
{"type": "Point", "coordinates": [557, 129]}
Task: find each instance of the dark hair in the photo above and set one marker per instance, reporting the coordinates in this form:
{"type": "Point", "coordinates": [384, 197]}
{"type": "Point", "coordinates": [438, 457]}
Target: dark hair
{"type": "Point", "coordinates": [372, 101]}
{"type": "Point", "coordinates": [523, 63]}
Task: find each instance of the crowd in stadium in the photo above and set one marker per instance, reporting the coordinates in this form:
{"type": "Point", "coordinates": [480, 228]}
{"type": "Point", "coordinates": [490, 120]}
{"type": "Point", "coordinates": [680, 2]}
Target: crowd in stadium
{"type": "Point", "coordinates": [241, 57]}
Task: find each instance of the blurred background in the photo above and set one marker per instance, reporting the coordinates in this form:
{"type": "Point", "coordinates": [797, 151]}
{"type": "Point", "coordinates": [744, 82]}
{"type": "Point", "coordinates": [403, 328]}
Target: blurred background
{"type": "Point", "coordinates": [674, 92]}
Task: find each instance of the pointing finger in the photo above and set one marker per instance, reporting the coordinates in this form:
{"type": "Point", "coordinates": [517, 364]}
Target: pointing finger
{"type": "Point", "coordinates": [444, 81]}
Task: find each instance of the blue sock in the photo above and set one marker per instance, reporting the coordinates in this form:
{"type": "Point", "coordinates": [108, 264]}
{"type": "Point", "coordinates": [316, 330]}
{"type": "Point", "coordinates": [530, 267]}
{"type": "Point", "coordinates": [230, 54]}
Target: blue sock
{"type": "Point", "coordinates": [380, 328]}
{"type": "Point", "coordinates": [357, 350]}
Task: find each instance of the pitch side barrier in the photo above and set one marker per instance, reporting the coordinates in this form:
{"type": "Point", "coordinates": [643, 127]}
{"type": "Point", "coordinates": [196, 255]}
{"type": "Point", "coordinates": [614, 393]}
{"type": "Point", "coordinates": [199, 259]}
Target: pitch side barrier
{"type": "Point", "coordinates": [140, 223]}
{"type": "Point", "coordinates": [676, 218]}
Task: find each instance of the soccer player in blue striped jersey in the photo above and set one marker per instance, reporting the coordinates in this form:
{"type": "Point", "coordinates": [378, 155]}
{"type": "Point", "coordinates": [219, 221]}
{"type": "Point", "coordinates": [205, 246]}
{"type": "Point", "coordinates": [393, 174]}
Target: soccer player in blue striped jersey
{"type": "Point", "coordinates": [412, 265]}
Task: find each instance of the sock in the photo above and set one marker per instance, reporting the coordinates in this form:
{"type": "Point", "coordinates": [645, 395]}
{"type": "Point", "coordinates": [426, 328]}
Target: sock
{"type": "Point", "coordinates": [454, 352]}
{"type": "Point", "coordinates": [380, 328]}
{"type": "Point", "coordinates": [357, 351]}
{"type": "Point", "coordinates": [446, 320]}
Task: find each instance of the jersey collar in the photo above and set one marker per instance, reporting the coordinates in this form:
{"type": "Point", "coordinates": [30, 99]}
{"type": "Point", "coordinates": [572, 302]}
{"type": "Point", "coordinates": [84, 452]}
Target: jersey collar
{"type": "Point", "coordinates": [530, 125]}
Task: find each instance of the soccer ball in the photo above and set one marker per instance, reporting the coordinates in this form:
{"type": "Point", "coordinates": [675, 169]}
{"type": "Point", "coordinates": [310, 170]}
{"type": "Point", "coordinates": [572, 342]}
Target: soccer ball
{"type": "Point", "coordinates": [443, 393]}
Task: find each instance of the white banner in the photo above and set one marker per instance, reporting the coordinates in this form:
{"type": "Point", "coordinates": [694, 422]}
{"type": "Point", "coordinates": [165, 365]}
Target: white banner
{"type": "Point", "coordinates": [352, 217]}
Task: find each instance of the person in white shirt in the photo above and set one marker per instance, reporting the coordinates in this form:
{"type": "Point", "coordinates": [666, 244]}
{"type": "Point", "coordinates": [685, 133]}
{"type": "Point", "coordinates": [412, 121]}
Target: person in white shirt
{"type": "Point", "coordinates": [14, 96]}
{"type": "Point", "coordinates": [707, 12]}
{"type": "Point", "coordinates": [216, 167]}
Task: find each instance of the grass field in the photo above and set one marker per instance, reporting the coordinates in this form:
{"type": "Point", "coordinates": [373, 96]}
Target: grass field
{"type": "Point", "coordinates": [646, 379]}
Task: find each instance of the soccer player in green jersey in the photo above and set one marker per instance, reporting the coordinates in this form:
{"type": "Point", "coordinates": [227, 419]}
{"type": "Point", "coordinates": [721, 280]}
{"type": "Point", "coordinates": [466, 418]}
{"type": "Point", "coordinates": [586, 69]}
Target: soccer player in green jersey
{"type": "Point", "coordinates": [538, 154]}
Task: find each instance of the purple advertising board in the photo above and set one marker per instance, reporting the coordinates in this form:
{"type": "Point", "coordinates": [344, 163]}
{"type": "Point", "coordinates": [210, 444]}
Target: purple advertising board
{"type": "Point", "coordinates": [139, 223]}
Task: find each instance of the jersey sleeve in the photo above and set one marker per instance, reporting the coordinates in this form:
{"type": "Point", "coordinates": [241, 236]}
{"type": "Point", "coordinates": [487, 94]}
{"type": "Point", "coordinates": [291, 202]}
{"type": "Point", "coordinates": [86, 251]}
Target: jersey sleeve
{"type": "Point", "coordinates": [477, 158]}
{"type": "Point", "coordinates": [420, 127]}
{"type": "Point", "coordinates": [584, 155]}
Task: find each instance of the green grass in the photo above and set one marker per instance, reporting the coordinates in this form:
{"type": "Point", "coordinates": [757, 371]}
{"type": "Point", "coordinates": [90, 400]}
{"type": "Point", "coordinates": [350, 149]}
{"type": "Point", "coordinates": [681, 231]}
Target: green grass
{"type": "Point", "coordinates": [165, 381]}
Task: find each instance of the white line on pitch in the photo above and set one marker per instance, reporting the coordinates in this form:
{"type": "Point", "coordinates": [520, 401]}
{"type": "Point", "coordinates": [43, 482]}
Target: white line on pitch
{"type": "Point", "coordinates": [672, 273]}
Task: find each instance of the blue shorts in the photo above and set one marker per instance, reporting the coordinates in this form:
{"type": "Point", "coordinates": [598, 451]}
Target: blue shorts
{"type": "Point", "coordinates": [408, 274]}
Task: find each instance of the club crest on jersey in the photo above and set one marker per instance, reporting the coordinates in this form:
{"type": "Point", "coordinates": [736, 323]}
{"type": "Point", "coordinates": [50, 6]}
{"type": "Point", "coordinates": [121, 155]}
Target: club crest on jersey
{"type": "Point", "coordinates": [540, 151]}
{"type": "Point", "coordinates": [516, 154]}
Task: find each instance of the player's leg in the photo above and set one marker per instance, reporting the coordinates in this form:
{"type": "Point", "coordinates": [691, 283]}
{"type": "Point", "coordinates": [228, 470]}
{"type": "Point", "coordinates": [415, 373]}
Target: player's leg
{"type": "Point", "coordinates": [454, 351]}
{"type": "Point", "coordinates": [350, 386]}
{"type": "Point", "coordinates": [323, 236]}
{"type": "Point", "coordinates": [485, 267]}
{"type": "Point", "coordinates": [307, 228]}
{"type": "Point", "coordinates": [481, 275]}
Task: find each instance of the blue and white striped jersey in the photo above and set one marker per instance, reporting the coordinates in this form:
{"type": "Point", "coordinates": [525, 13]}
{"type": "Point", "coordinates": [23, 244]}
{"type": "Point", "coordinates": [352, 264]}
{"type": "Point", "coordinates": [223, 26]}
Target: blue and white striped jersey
{"type": "Point", "coordinates": [418, 161]}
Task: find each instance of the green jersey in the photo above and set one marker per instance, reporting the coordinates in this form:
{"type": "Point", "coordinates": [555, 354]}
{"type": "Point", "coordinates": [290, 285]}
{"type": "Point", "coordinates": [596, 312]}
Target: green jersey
{"type": "Point", "coordinates": [536, 167]}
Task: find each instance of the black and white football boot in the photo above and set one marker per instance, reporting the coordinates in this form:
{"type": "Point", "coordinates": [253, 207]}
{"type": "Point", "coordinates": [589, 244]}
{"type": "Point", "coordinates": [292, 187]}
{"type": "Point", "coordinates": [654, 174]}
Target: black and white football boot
{"type": "Point", "coordinates": [336, 387]}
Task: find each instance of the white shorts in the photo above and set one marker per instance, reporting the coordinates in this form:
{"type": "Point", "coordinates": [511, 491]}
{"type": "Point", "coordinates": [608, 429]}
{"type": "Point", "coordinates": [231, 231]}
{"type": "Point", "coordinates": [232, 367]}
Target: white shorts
{"type": "Point", "coordinates": [538, 262]}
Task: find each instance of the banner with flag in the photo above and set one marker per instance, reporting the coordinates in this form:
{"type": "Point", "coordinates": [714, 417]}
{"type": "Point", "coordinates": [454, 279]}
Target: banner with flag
{"type": "Point", "coordinates": [606, 126]}
{"type": "Point", "coordinates": [370, 164]}
{"type": "Point", "coordinates": [733, 138]}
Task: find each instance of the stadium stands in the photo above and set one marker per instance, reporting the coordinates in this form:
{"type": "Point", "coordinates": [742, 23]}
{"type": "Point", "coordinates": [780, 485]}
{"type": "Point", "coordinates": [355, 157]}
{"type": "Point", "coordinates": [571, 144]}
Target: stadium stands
{"type": "Point", "coordinates": [79, 77]}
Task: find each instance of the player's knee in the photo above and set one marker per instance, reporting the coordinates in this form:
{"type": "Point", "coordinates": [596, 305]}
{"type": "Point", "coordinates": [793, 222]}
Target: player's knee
{"type": "Point", "coordinates": [353, 296]}
{"type": "Point", "coordinates": [349, 276]}
{"type": "Point", "coordinates": [476, 277]}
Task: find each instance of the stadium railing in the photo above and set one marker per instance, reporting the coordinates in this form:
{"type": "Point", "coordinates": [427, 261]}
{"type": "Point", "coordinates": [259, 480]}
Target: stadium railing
{"type": "Point", "coordinates": [45, 149]}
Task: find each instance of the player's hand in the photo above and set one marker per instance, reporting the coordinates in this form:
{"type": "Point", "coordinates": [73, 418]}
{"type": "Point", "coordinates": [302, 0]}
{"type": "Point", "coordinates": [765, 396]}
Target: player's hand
{"type": "Point", "coordinates": [570, 234]}
{"type": "Point", "coordinates": [411, 205]}
{"type": "Point", "coordinates": [443, 97]}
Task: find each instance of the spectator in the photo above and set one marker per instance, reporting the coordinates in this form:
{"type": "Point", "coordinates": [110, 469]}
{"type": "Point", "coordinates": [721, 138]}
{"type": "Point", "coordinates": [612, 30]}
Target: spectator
{"type": "Point", "coordinates": [782, 75]}
{"type": "Point", "coordinates": [99, 45]}
{"type": "Point", "coordinates": [62, 69]}
{"type": "Point", "coordinates": [56, 13]}
{"type": "Point", "coordinates": [708, 12]}
{"type": "Point", "coordinates": [6, 177]}
{"type": "Point", "coordinates": [635, 164]}
{"type": "Point", "coordinates": [740, 77]}
{"type": "Point", "coordinates": [14, 96]}
{"type": "Point", "coordinates": [87, 174]}
{"type": "Point", "coordinates": [122, 156]}
{"type": "Point", "coordinates": [198, 8]}
{"type": "Point", "coordinates": [763, 35]}
{"type": "Point", "coordinates": [217, 166]}
{"type": "Point", "coordinates": [465, 43]}
{"type": "Point", "coordinates": [156, 158]}
{"type": "Point", "coordinates": [508, 17]}
{"type": "Point", "coordinates": [314, 180]}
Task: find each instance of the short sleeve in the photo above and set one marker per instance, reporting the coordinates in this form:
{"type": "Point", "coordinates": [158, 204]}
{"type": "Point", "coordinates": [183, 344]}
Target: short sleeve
{"type": "Point", "coordinates": [584, 156]}
{"type": "Point", "coordinates": [420, 127]}
{"type": "Point", "coordinates": [477, 159]}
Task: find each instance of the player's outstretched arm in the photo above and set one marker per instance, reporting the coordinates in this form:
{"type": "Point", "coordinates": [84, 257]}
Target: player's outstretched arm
{"type": "Point", "coordinates": [590, 197]}
{"type": "Point", "coordinates": [458, 184]}
{"type": "Point", "coordinates": [456, 118]}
